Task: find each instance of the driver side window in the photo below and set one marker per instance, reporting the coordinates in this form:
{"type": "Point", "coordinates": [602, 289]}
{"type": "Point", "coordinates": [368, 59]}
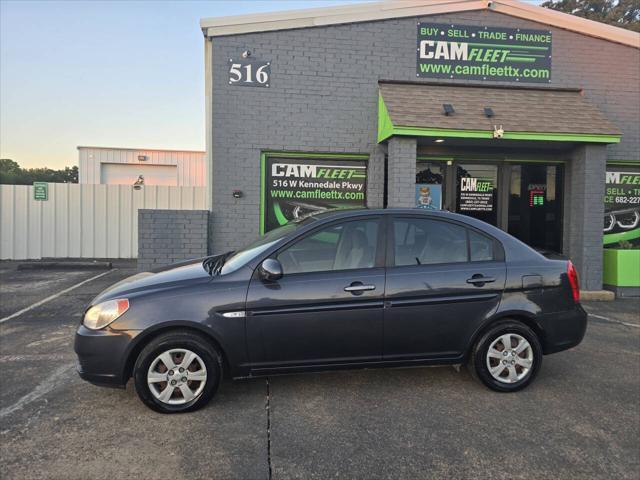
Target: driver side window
{"type": "Point", "coordinates": [345, 246]}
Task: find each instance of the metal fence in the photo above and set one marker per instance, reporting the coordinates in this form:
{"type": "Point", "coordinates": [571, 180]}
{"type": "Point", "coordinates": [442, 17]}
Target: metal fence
{"type": "Point", "coordinates": [83, 221]}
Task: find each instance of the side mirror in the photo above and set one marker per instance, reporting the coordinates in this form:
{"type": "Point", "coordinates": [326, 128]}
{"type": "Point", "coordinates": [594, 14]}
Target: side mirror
{"type": "Point", "coordinates": [270, 269]}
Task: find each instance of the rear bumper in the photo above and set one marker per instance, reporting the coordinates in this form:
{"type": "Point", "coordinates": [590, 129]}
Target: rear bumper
{"type": "Point", "coordinates": [563, 330]}
{"type": "Point", "coordinates": [102, 355]}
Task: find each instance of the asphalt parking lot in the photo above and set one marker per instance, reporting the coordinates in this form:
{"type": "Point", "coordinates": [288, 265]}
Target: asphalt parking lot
{"type": "Point", "coordinates": [580, 419]}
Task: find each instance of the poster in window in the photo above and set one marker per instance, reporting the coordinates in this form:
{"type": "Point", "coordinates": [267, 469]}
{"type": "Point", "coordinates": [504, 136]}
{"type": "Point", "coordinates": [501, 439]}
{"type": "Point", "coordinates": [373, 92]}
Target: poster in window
{"type": "Point", "coordinates": [429, 196]}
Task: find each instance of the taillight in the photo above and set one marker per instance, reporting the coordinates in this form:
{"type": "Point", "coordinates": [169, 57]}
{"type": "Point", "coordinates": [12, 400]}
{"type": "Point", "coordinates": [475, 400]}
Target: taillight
{"type": "Point", "coordinates": [572, 273]}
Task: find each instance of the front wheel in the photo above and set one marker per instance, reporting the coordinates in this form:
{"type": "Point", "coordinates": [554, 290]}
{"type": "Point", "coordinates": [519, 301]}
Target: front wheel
{"type": "Point", "coordinates": [507, 357]}
{"type": "Point", "coordinates": [177, 372]}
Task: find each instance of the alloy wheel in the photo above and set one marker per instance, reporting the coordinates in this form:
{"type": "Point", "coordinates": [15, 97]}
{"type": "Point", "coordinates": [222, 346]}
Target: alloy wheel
{"type": "Point", "coordinates": [509, 358]}
{"type": "Point", "coordinates": [177, 376]}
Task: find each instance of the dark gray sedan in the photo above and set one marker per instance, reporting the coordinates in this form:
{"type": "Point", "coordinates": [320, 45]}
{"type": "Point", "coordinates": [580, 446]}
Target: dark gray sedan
{"type": "Point", "coordinates": [350, 289]}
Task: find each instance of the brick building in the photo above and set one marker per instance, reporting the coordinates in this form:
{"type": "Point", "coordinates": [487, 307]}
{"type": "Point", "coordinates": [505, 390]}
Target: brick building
{"type": "Point", "coordinates": [501, 110]}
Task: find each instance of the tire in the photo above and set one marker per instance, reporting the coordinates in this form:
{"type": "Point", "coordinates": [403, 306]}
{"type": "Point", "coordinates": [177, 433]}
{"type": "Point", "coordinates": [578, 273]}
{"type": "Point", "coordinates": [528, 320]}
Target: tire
{"type": "Point", "coordinates": [491, 369]}
{"type": "Point", "coordinates": [194, 386]}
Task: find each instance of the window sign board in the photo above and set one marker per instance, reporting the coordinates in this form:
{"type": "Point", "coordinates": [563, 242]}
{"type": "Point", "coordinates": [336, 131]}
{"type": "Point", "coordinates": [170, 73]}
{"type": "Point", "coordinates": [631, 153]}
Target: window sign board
{"type": "Point", "coordinates": [249, 72]}
{"type": "Point", "coordinates": [483, 53]}
{"type": "Point", "coordinates": [476, 195]}
{"type": "Point", "coordinates": [40, 191]}
{"type": "Point", "coordinates": [297, 187]}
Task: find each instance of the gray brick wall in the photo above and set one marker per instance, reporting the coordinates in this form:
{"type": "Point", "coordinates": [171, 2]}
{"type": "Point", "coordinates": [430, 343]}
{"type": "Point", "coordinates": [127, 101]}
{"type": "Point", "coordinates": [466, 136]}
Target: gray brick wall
{"type": "Point", "coordinates": [584, 213]}
{"type": "Point", "coordinates": [401, 172]}
{"type": "Point", "coordinates": [375, 178]}
{"type": "Point", "coordinates": [170, 236]}
{"type": "Point", "coordinates": [323, 98]}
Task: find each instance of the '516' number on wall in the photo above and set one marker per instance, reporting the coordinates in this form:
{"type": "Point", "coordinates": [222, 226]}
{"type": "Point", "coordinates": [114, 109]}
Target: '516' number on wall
{"type": "Point", "coordinates": [249, 72]}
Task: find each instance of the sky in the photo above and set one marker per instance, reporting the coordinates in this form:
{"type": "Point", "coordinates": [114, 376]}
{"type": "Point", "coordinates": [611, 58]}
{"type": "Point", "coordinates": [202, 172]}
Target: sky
{"type": "Point", "coordinates": [106, 73]}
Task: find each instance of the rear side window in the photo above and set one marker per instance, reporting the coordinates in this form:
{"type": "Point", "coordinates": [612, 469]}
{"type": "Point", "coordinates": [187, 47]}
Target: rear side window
{"type": "Point", "coordinates": [481, 247]}
{"type": "Point", "coordinates": [420, 241]}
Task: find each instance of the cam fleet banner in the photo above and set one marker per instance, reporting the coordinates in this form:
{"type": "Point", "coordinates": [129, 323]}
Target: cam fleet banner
{"type": "Point", "coordinates": [483, 53]}
{"type": "Point", "coordinates": [476, 195]}
{"type": "Point", "coordinates": [295, 188]}
{"type": "Point", "coordinates": [622, 206]}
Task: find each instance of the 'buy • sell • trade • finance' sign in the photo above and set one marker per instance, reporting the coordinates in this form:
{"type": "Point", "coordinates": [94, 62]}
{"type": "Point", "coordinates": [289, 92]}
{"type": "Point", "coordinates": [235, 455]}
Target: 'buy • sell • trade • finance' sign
{"type": "Point", "coordinates": [483, 53]}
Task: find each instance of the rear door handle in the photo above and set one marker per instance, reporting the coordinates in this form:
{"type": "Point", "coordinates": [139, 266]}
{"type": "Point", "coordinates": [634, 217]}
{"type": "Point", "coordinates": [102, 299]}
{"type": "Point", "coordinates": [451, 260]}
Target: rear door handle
{"type": "Point", "coordinates": [357, 287]}
{"type": "Point", "coordinates": [479, 280]}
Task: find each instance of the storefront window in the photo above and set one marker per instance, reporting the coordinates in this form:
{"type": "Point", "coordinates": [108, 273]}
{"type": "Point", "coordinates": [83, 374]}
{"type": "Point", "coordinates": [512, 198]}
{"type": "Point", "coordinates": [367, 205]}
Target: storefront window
{"type": "Point", "coordinates": [535, 209]}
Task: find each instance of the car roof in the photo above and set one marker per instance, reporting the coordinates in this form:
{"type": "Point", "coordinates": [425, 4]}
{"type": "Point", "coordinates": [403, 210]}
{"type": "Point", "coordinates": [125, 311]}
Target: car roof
{"type": "Point", "coordinates": [352, 212]}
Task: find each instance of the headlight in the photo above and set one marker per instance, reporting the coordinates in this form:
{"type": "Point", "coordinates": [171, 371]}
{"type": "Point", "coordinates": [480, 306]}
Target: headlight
{"type": "Point", "coordinates": [102, 314]}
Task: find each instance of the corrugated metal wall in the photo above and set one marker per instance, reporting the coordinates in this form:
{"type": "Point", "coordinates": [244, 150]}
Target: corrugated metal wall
{"type": "Point", "coordinates": [191, 165]}
{"type": "Point", "coordinates": [90, 221]}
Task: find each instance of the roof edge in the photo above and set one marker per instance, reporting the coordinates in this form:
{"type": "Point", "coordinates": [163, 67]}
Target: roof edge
{"type": "Point", "coordinates": [93, 147]}
{"type": "Point", "coordinates": [366, 12]}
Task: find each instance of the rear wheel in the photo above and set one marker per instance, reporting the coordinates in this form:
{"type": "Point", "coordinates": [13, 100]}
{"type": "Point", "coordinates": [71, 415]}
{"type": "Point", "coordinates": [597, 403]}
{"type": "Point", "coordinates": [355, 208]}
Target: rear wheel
{"type": "Point", "coordinates": [507, 357]}
{"type": "Point", "coordinates": [177, 372]}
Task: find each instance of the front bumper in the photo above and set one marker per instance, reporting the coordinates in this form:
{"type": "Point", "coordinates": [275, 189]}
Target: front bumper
{"type": "Point", "coordinates": [102, 355]}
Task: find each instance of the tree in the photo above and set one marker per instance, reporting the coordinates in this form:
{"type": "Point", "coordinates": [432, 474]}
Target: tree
{"type": "Point", "coordinates": [620, 13]}
{"type": "Point", "coordinates": [12, 173]}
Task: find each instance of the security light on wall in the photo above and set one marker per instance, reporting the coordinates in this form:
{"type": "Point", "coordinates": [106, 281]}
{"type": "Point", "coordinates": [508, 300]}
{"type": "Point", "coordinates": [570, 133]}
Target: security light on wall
{"type": "Point", "coordinates": [448, 109]}
{"type": "Point", "coordinates": [488, 111]}
{"type": "Point", "coordinates": [142, 158]}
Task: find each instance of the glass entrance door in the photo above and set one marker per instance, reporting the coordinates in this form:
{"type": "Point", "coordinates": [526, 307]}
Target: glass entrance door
{"type": "Point", "coordinates": [535, 205]}
{"type": "Point", "coordinates": [477, 191]}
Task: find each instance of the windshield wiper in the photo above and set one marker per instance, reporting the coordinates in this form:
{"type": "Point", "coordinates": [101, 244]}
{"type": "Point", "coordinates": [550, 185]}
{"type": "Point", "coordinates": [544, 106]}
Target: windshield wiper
{"type": "Point", "coordinates": [213, 265]}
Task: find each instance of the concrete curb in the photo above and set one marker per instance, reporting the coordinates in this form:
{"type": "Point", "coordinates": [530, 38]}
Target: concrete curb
{"type": "Point", "coordinates": [597, 296]}
{"type": "Point", "coordinates": [65, 266]}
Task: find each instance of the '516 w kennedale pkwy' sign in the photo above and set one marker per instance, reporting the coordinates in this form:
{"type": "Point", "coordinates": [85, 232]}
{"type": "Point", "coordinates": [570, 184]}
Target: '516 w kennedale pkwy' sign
{"type": "Point", "coordinates": [483, 53]}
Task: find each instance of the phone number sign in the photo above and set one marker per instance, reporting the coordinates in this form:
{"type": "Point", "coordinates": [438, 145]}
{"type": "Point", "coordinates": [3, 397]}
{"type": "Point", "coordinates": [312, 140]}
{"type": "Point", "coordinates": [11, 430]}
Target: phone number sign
{"type": "Point", "coordinates": [483, 53]}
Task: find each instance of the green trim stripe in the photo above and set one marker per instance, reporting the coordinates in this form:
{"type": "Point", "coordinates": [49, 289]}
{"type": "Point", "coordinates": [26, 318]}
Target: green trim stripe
{"type": "Point", "coordinates": [488, 134]}
{"type": "Point", "coordinates": [624, 162]}
{"type": "Point", "coordinates": [263, 192]}
{"type": "Point", "coordinates": [387, 129]}
{"type": "Point", "coordinates": [385, 125]}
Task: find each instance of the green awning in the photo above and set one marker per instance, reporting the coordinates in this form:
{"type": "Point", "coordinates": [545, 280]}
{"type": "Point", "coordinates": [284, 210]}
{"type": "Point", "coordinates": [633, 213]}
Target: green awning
{"type": "Point", "coordinates": [539, 114]}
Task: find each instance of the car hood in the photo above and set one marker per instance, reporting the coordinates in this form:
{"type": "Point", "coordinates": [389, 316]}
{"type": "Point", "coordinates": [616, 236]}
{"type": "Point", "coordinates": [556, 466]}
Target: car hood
{"type": "Point", "coordinates": [154, 280]}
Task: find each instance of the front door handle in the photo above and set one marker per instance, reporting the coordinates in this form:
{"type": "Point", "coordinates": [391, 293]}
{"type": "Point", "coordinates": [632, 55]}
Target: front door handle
{"type": "Point", "coordinates": [479, 280]}
{"type": "Point", "coordinates": [358, 287]}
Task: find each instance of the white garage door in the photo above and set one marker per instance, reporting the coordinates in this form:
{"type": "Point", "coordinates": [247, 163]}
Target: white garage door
{"type": "Point", "coordinates": [127, 174]}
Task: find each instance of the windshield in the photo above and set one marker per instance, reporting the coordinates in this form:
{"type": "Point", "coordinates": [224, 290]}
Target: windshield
{"type": "Point", "coordinates": [255, 248]}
